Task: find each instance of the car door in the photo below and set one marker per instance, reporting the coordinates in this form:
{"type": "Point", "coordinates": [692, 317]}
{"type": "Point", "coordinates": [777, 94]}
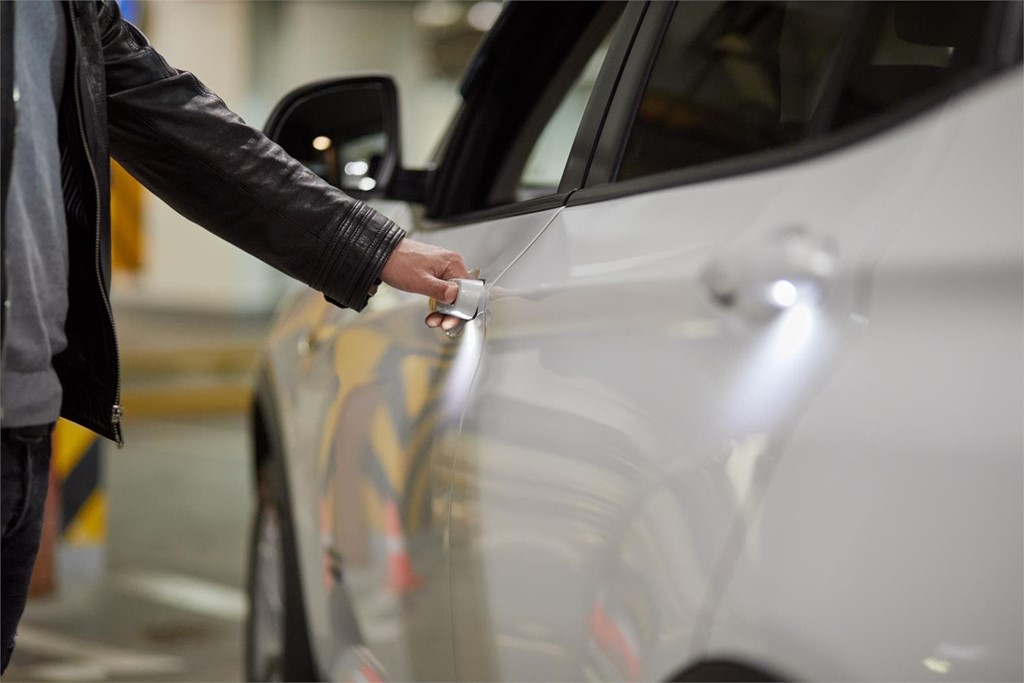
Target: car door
{"type": "Point", "coordinates": [644, 361]}
{"type": "Point", "coordinates": [381, 397]}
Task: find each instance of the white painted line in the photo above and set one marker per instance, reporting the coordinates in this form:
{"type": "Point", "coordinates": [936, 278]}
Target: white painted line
{"type": "Point", "coordinates": [91, 660]}
{"type": "Point", "coordinates": [187, 593]}
{"type": "Point", "coordinates": [519, 644]}
{"type": "Point", "coordinates": [73, 671]}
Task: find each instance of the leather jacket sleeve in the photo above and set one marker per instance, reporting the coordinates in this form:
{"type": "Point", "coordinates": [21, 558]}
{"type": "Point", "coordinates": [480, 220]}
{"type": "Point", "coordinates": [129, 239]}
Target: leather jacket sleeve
{"type": "Point", "coordinates": [183, 143]}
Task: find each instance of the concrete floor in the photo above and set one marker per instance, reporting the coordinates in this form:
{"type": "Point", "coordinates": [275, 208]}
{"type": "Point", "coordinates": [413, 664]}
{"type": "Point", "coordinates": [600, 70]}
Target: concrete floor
{"type": "Point", "coordinates": [169, 605]}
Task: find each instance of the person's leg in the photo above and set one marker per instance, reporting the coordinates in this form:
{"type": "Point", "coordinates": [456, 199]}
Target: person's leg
{"type": "Point", "coordinates": [24, 477]}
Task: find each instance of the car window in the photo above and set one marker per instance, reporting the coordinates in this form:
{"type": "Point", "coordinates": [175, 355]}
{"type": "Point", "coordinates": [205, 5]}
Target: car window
{"type": "Point", "coordinates": [526, 97]}
{"type": "Point", "coordinates": [538, 155]}
{"type": "Point", "coordinates": [909, 48]}
{"type": "Point", "coordinates": [735, 78]}
{"type": "Point", "coordinates": [547, 159]}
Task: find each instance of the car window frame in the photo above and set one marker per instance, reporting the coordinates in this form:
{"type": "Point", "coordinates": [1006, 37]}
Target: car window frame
{"type": "Point", "coordinates": [445, 179]}
{"type": "Point", "coordinates": [1000, 53]}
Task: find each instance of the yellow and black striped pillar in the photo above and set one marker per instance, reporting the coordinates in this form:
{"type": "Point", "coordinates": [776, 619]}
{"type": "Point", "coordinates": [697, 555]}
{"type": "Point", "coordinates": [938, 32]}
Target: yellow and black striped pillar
{"type": "Point", "coordinates": [76, 463]}
{"type": "Point", "coordinates": [75, 522]}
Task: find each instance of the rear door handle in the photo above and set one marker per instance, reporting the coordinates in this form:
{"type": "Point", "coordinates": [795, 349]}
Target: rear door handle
{"type": "Point", "coordinates": [789, 267]}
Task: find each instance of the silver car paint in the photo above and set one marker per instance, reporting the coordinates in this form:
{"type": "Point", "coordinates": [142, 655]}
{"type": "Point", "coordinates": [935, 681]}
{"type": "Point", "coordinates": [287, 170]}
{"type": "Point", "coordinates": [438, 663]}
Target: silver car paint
{"type": "Point", "coordinates": [890, 545]}
{"type": "Point", "coordinates": [315, 351]}
{"type": "Point", "coordinates": [627, 475]}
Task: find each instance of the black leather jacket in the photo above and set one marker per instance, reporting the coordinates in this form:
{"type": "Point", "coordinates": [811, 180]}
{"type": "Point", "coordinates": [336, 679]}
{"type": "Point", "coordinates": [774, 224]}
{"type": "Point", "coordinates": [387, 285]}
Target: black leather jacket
{"type": "Point", "coordinates": [181, 141]}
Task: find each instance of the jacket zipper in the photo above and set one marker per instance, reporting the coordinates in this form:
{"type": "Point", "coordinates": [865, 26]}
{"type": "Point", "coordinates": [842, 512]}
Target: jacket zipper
{"type": "Point", "coordinates": [116, 412]}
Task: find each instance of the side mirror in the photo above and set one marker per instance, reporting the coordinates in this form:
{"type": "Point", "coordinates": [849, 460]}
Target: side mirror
{"type": "Point", "coordinates": [345, 130]}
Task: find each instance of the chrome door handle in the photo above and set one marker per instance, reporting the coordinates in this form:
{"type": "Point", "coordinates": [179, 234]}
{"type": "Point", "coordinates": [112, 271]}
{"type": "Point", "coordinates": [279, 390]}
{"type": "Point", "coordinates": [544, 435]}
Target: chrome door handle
{"type": "Point", "coordinates": [469, 303]}
{"type": "Point", "coordinates": [790, 267]}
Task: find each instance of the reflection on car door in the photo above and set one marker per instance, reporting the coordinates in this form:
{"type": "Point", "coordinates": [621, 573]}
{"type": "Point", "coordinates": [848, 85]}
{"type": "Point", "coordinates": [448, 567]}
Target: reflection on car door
{"type": "Point", "coordinates": [390, 393]}
{"type": "Point", "coordinates": [379, 396]}
{"type": "Point", "coordinates": [643, 362]}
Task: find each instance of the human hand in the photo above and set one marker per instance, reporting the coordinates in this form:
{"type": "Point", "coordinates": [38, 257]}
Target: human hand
{"type": "Point", "coordinates": [425, 269]}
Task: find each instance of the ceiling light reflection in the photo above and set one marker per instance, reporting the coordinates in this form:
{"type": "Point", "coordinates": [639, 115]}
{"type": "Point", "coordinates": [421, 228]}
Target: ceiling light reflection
{"type": "Point", "coordinates": [322, 143]}
{"type": "Point", "coordinates": [437, 13]}
{"type": "Point", "coordinates": [482, 15]}
{"type": "Point", "coordinates": [771, 377]}
{"type": "Point", "coordinates": [794, 330]}
{"type": "Point", "coordinates": [356, 168]}
{"type": "Point", "coordinates": [463, 369]}
{"type": "Point", "coordinates": [939, 666]}
{"type": "Point", "coordinates": [783, 294]}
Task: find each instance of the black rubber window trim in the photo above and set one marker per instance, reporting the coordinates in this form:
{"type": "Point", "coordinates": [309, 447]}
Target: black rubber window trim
{"type": "Point", "coordinates": [592, 124]}
{"type": "Point", "coordinates": [622, 108]}
{"type": "Point", "coordinates": [548, 201]}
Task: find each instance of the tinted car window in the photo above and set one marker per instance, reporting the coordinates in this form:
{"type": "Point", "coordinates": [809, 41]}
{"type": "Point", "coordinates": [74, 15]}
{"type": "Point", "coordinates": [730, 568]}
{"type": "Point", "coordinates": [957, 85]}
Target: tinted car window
{"type": "Point", "coordinates": [527, 80]}
{"type": "Point", "coordinates": [908, 49]}
{"type": "Point", "coordinates": [543, 169]}
{"type": "Point", "coordinates": [735, 78]}
{"type": "Point", "coordinates": [539, 150]}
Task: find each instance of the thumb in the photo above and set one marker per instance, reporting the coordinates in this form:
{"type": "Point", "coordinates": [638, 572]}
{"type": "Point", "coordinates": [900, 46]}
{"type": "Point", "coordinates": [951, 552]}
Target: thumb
{"type": "Point", "coordinates": [441, 290]}
{"type": "Point", "coordinates": [444, 291]}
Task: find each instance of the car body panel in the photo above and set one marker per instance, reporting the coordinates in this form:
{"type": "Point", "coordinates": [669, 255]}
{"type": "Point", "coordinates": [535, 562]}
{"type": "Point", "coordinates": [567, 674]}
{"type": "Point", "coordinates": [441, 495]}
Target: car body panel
{"type": "Point", "coordinates": [622, 429]}
{"type": "Point", "coordinates": [619, 411]}
{"type": "Point", "coordinates": [365, 407]}
{"type": "Point", "coordinates": [890, 537]}
{"type": "Point", "coordinates": [757, 418]}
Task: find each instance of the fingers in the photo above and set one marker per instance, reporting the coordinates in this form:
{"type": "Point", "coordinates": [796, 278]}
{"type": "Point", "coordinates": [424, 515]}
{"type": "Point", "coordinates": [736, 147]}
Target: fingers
{"type": "Point", "coordinates": [426, 269]}
{"type": "Point", "coordinates": [422, 269]}
{"type": "Point", "coordinates": [445, 322]}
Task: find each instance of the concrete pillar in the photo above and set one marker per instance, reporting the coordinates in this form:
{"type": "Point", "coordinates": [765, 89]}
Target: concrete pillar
{"type": "Point", "coordinates": [185, 266]}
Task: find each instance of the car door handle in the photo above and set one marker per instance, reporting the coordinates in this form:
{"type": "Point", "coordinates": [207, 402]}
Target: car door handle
{"type": "Point", "coordinates": [470, 302]}
{"type": "Point", "coordinates": [789, 267]}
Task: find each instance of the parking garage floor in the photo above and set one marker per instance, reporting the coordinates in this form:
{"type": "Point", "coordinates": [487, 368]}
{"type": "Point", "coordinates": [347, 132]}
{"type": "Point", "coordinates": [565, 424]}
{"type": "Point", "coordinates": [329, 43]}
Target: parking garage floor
{"type": "Point", "coordinates": [163, 599]}
{"type": "Point", "coordinates": [169, 605]}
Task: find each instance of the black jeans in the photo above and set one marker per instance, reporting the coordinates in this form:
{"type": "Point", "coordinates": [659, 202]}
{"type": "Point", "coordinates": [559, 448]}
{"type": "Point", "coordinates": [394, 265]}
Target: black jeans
{"type": "Point", "coordinates": [24, 476]}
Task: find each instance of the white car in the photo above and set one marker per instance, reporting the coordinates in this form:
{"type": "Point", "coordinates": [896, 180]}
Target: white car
{"type": "Point", "coordinates": [742, 396]}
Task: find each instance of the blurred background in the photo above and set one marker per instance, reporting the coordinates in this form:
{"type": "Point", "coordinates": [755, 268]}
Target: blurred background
{"type": "Point", "coordinates": [142, 573]}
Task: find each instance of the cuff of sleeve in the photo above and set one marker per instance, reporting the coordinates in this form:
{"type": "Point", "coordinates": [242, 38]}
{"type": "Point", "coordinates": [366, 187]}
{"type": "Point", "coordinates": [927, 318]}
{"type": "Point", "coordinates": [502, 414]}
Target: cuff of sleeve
{"type": "Point", "coordinates": [365, 240]}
